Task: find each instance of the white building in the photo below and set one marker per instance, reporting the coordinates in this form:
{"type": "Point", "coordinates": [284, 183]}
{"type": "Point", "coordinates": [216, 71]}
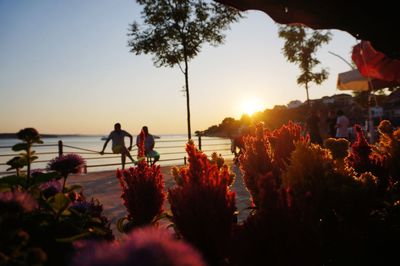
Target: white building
{"type": "Point", "coordinates": [294, 104]}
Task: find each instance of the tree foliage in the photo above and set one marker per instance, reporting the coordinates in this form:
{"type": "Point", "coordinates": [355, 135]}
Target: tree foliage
{"type": "Point", "coordinates": [174, 31]}
{"type": "Point", "coordinates": [300, 48]}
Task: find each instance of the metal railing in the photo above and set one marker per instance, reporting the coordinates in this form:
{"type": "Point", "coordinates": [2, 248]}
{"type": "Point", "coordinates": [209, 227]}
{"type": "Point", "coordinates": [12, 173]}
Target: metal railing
{"type": "Point", "coordinates": [172, 151]}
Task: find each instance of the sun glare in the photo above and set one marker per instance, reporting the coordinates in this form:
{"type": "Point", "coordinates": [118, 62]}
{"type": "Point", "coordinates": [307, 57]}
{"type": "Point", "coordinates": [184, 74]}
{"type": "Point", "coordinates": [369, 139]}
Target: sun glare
{"type": "Point", "coordinates": [250, 107]}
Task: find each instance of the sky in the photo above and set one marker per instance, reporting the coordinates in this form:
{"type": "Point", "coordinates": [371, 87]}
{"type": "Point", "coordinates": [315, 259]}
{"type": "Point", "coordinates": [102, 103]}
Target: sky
{"type": "Point", "coordinates": [65, 68]}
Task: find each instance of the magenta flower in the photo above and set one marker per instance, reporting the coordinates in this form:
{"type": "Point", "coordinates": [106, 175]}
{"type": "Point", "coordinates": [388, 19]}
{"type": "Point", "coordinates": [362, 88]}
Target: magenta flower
{"type": "Point", "coordinates": [92, 208]}
{"type": "Point", "coordinates": [50, 188]}
{"type": "Point", "coordinates": [17, 200]}
{"type": "Point", "coordinates": [146, 247]}
{"type": "Point", "coordinates": [67, 164]}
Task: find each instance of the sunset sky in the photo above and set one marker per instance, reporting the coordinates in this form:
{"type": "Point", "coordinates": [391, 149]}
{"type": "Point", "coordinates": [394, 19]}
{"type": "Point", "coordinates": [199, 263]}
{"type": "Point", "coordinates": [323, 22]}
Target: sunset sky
{"type": "Point", "coordinates": [65, 68]}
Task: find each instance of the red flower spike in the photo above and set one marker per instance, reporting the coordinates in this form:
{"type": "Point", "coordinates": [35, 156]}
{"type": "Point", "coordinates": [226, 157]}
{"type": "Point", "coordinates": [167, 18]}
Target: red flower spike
{"type": "Point", "coordinates": [203, 207]}
{"type": "Point", "coordinates": [142, 192]}
{"type": "Point", "coordinates": [362, 157]}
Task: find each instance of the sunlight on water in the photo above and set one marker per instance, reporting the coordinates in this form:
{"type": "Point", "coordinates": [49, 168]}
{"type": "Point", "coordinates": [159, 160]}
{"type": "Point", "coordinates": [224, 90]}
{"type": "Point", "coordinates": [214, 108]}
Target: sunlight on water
{"type": "Point", "coordinates": [170, 147]}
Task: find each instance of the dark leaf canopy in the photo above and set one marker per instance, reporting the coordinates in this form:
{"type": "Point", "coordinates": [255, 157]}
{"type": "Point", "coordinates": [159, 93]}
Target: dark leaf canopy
{"type": "Point", "coordinates": [175, 29]}
{"type": "Point", "coordinates": [300, 48]}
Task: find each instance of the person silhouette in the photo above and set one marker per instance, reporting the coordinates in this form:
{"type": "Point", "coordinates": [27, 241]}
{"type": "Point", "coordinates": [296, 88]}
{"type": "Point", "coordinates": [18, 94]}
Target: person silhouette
{"type": "Point", "coordinates": [312, 125]}
{"type": "Point", "coordinates": [117, 136]}
{"type": "Point", "coordinates": [342, 124]}
{"type": "Point", "coordinates": [331, 122]}
{"type": "Point", "coordinates": [149, 143]}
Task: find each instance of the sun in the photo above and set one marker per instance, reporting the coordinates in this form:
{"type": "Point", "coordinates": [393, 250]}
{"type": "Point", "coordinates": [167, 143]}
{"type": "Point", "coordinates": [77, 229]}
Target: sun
{"type": "Point", "coordinates": [250, 107]}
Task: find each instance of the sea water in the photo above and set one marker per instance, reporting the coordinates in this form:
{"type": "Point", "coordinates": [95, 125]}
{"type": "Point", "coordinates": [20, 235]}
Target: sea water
{"type": "Point", "coordinates": [170, 147]}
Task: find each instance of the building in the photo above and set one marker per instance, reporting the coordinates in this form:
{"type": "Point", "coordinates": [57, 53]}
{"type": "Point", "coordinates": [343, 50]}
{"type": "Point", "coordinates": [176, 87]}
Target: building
{"type": "Point", "coordinates": [294, 104]}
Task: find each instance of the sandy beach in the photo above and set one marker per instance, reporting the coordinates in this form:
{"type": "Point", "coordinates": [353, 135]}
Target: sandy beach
{"type": "Point", "coordinates": [105, 187]}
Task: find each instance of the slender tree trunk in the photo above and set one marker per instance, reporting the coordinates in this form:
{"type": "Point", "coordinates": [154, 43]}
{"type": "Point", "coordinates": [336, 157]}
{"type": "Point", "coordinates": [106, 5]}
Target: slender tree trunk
{"type": "Point", "coordinates": [28, 170]}
{"type": "Point", "coordinates": [187, 96]}
{"type": "Point", "coordinates": [308, 97]}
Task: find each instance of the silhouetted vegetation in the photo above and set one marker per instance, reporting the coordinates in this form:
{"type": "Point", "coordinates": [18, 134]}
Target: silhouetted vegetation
{"type": "Point", "coordinates": [301, 44]}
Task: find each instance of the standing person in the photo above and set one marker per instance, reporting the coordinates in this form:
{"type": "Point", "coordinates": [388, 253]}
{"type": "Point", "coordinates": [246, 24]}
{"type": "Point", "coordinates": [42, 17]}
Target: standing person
{"type": "Point", "coordinates": [118, 143]}
{"type": "Point", "coordinates": [331, 122]}
{"type": "Point", "coordinates": [342, 124]}
{"type": "Point", "coordinates": [312, 125]}
{"type": "Point", "coordinates": [238, 144]}
{"type": "Point", "coordinates": [149, 143]}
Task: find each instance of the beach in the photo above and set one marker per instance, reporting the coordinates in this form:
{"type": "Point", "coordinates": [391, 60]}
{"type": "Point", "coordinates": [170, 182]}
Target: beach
{"type": "Point", "coordinates": [105, 187]}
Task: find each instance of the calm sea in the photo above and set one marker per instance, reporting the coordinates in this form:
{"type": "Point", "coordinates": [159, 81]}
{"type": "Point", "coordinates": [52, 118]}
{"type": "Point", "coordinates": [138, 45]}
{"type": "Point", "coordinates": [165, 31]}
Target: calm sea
{"type": "Point", "coordinates": [170, 147]}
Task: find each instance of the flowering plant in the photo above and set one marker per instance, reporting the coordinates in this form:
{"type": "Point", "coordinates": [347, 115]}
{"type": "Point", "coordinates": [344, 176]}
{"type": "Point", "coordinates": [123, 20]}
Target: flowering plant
{"type": "Point", "coordinates": [29, 136]}
{"type": "Point", "coordinates": [389, 146]}
{"type": "Point", "coordinates": [142, 192]}
{"type": "Point", "coordinates": [66, 164]}
{"type": "Point", "coordinates": [202, 205]}
{"type": "Point", "coordinates": [365, 158]}
{"type": "Point", "coordinates": [39, 218]}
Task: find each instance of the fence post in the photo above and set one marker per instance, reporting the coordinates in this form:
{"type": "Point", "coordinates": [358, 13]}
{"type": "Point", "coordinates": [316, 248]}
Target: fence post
{"type": "Point", "coordinates": [199, 142]}
{"type": "Point", "coordinates": [184, 160]}
{"type": "Point", "coordinates": [60, 148]}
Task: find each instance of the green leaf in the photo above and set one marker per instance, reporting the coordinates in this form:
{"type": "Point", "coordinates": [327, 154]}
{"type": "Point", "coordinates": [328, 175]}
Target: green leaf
{"type": "Point", "coordinates": [96, 220]}
{"type": "Point", "coordinates": [46, 177]}
{"type": "Point", "coordinates": [20, 147]}
{"type": "Point", "coordinates": [16, 162]}
{"type": "Point", "coordinates": [37, 140]}
{"type": "Point", "coordinates": [165, 215]}
{"type": "Point", "coordinates": [120, 224]}
{"type": "Point", "coordinates": [33, 158]}
{"type": "Point", "coordinates": [98, 231]}
{"type": "Point", "coordinates": [13, 180]}
{"type": "Point", "coordinates": [59, 202]}
{"type": "Point", "coordinates": [73, 188]}
{"type": "Point", "coordinates": [73, 238]}
{"type": "Point", "coordinates": [66, 212]}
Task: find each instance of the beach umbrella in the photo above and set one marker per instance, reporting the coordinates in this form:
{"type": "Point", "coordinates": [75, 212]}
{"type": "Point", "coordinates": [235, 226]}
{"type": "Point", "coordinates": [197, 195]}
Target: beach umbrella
{"type": "Point", "coordinates": [353, 80]}
{"type": "Point", "coordinates": [370, 21]}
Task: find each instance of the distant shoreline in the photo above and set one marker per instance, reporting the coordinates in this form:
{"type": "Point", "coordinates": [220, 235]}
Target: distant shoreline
{"type": "Point", "coordinates": [14, 135]}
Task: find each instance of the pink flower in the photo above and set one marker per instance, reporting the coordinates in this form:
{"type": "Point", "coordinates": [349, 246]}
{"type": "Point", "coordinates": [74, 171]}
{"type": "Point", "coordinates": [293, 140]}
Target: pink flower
{"type": "Point", "coordinates": [146, 247]}
{"type": "Point", "coordinates": [50, 188]}
{"type": "Point", "coordinates": [20, 200]}
{"type": "Point", "coordinates": [67, 164]}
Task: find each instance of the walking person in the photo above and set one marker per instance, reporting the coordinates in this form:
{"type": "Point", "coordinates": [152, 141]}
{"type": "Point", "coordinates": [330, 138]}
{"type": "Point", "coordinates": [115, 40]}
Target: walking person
{"type": "Point", "coordinates": [342, 125]}
{"type": "Point", "coordinates": [117, 136]}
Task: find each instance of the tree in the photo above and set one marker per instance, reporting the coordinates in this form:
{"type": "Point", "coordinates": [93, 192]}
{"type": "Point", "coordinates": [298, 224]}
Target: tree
{"type": "Point", "coordinates": [300, 48]}
{"type": "Point", "coordinates": [176, 30]}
